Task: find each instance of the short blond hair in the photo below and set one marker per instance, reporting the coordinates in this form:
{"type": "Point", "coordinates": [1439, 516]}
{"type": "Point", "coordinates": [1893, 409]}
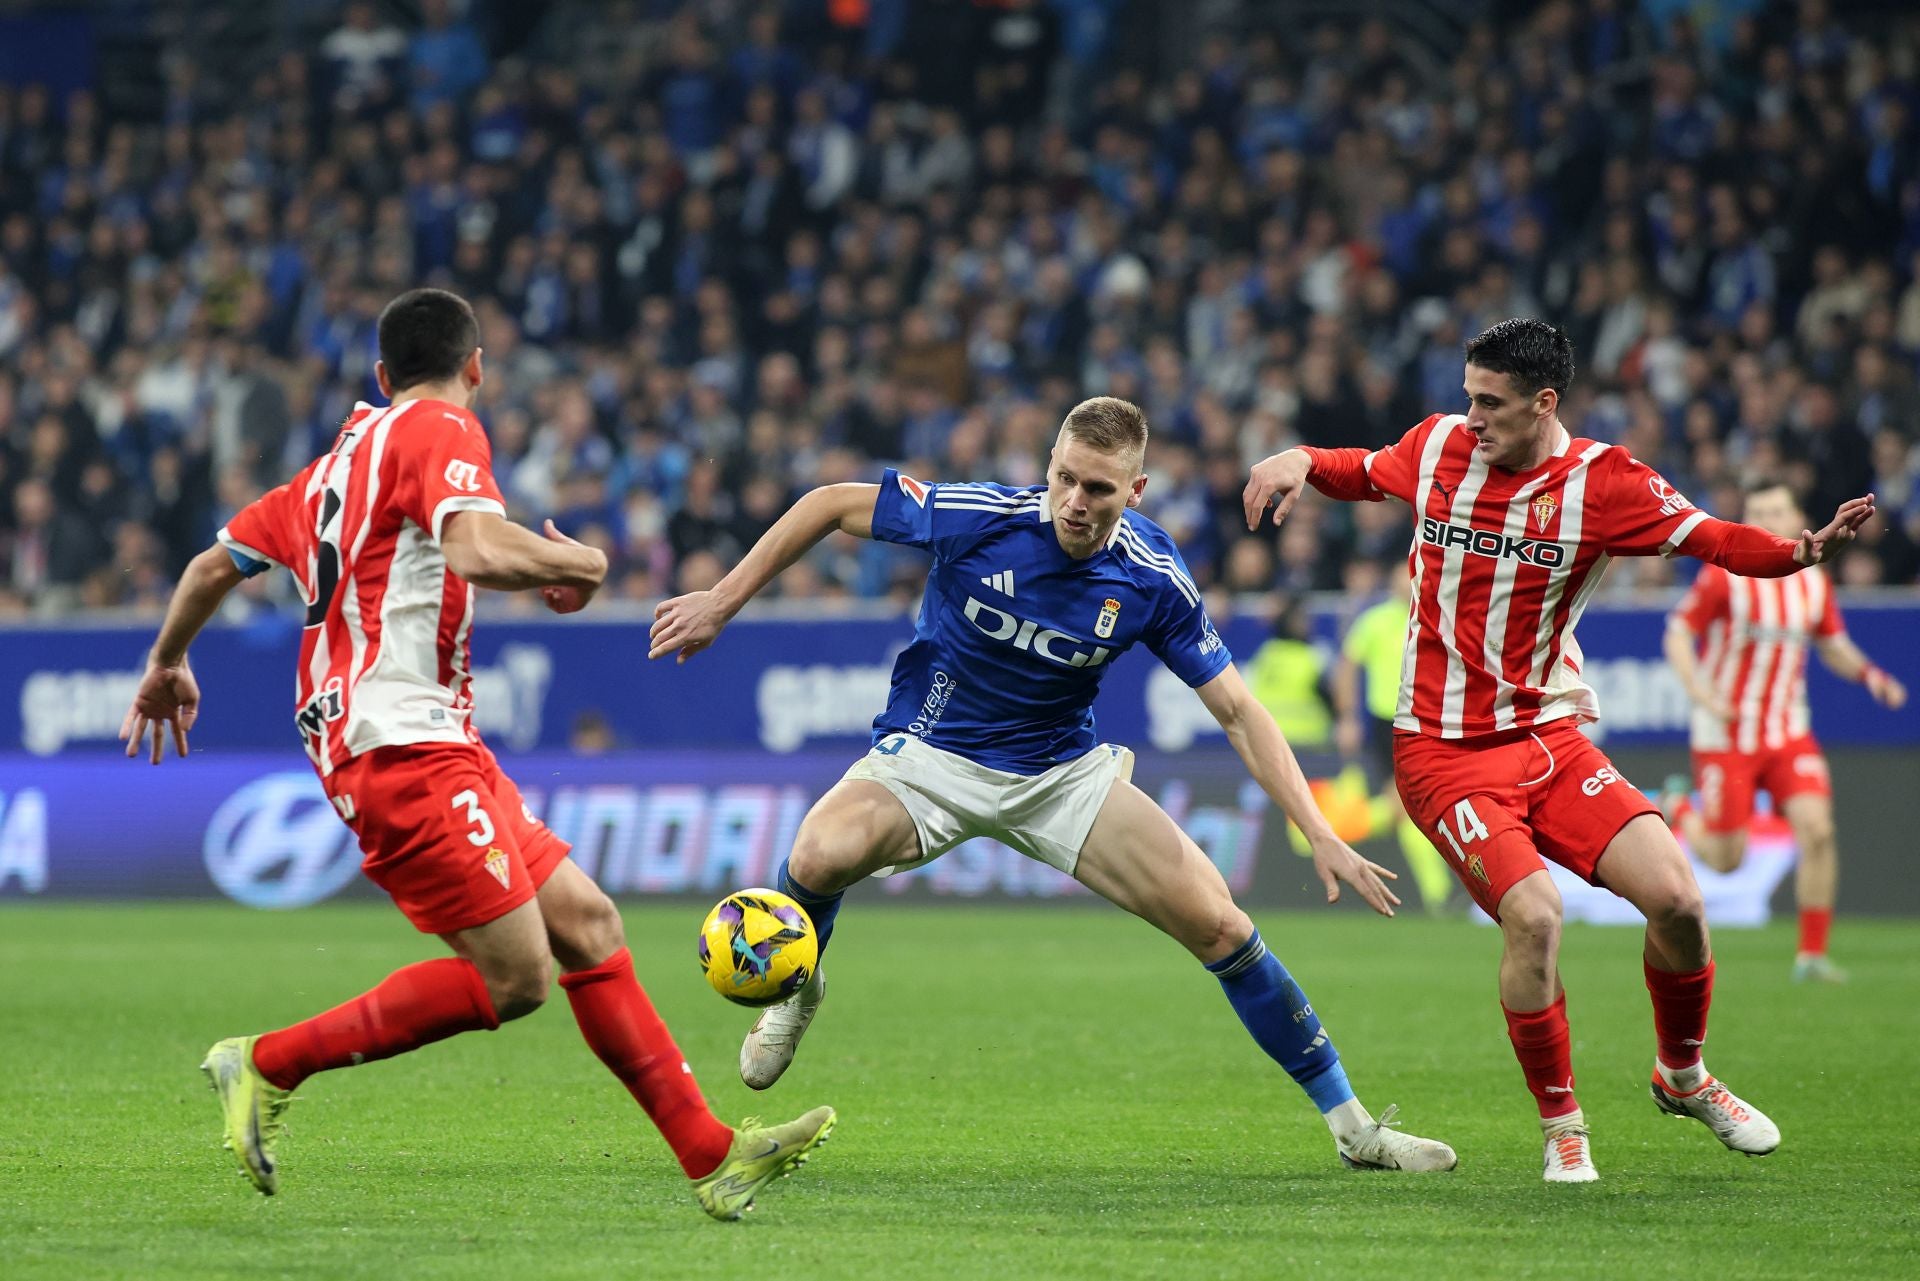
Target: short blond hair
{"type": "Point", "coordinates": [1110, 425]}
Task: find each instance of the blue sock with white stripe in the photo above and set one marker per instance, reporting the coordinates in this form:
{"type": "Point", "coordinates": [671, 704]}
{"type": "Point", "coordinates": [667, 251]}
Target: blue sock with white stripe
{"type": "Point", "coordinates": [1277, 1013]}
{"type": "Point", "coordinates": [821, 908]}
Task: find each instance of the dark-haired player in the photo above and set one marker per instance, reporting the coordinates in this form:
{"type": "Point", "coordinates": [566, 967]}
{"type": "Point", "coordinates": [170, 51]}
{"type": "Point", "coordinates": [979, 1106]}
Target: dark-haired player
{"type": "Point", "coordinates": [1515, 519]}
{"type": "Point", "coordinates": [387, 535]}
{"type": "Point", "coordinates": [1739, 646]}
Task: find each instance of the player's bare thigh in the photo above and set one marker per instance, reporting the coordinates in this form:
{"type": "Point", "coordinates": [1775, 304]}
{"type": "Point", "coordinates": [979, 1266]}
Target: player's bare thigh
{"type": "Point", "coordinates": [853, 831]}
{"type": "Point", "coordinates": [1137, 858]}
{"type": "Point", "coordinates": [1643, 864]}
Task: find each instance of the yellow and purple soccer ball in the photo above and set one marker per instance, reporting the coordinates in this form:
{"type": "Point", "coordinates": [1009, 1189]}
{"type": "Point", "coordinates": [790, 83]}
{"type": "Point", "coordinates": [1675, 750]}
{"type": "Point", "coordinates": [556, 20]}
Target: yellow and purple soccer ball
{"type": "Point", "coordinates": [758, 947]}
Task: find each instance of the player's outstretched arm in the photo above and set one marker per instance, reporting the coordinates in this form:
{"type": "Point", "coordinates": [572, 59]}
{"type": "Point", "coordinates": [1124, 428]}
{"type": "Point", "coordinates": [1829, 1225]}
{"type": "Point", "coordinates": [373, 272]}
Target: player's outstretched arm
{"type": "Point", "coordinates": [168, 700]}
{"type": "Point", "coordinates": [1846, 660]}
{"type": "Point", "coordinates": [688, 624]}
{"type": "Point", "coordinates": [1752, 552]}
{"type": "Point", "coordinates": [1258, 740]}
{"type": "Point", "coordinates": [488, 550]}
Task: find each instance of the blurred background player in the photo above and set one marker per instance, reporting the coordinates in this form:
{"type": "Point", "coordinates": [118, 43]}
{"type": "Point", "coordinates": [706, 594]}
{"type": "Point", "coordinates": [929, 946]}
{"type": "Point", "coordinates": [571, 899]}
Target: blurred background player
{"type": "Point", "coordinates": [1739, 646]}
{"type": "Point", "coordinates": [1371, 653]}
{"type": "Point", "coordinates": [989, 732]}
{"type": "Point", "coordinates": [388, 534]}
{"type": "Point", "coordinates": [1515, 521]}
{"type": "Point", "coordinates": [1287, 674]}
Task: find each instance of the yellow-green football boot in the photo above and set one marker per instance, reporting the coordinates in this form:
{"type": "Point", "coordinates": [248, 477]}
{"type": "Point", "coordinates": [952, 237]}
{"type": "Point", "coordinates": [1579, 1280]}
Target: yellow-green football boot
{"type": "Point", "coordinates": [252, 1106]}
{"type": "Point", "coordinates": [759, 1155]}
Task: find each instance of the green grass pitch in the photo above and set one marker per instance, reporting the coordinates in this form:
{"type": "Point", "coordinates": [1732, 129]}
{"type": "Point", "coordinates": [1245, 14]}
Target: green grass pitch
{"type": "Point", "coordinates": [1024, 1092]}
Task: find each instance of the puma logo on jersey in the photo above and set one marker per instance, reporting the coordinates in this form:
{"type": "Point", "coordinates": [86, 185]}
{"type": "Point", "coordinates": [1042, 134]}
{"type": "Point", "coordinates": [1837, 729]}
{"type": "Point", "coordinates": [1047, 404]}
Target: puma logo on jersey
{"type": "Point", "coordinates": [464, 477]}
{"type": "Point", "coordinates": [996, 624]}
{"type": "Point", "coordinates": [1491, 543]}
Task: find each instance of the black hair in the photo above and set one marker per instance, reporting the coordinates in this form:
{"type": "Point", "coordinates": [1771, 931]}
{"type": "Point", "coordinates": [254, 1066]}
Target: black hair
{"type": "Point", "coordinates": [426, 335]}
{"type": "Point", "coordinates": [1533, 353]}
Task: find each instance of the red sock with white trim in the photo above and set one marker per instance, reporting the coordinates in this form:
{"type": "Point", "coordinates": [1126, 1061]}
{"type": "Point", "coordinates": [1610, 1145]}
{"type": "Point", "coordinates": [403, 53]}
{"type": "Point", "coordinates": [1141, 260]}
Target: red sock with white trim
{"type": "Point", "coordinates": [622, 1027]}
{"type": "Point", "coordinates": [413, 1006]}
{"type": "Point", "coordinates": [1544, 1045]}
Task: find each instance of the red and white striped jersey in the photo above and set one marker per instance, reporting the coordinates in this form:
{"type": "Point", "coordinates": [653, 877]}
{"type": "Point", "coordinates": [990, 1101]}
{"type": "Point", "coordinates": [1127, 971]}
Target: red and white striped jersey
{"type": "Point", "coordinates": [383, 658]}
{"type": "Point", "coordinates": [1754, 634]}
{"type": "Point", "coordinates": [1504, 563]}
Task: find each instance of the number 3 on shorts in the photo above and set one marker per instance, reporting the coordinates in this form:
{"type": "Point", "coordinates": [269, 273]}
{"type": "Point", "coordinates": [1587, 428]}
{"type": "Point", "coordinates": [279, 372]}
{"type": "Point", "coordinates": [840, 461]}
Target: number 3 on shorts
{"type": "Point", "coordinates": [1471, 829]}
{"type": "Point", "coordinates": [482, 833]}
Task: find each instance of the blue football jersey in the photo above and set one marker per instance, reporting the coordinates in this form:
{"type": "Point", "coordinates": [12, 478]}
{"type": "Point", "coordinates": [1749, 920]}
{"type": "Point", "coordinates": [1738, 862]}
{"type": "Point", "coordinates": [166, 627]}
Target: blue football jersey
{"type": "Point", "coordinates": [1014, 635]}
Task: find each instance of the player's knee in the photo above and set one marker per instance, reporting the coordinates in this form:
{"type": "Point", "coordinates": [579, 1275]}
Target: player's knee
{"type": "Point", "coordinates": [1675, 908]}
{"type": "Point", "coordinates": [826, 859]}
{"type": "Point", "coordinates": [1220, 934]}
{"type": "Point", "coordinates": [1814, 835]}
{"type": "Point", "coordinates": [520, 988]}
{"type": "Point", "coordinates": [1530, 919]}
{"type": "Point", "coordinates": [599, 931]}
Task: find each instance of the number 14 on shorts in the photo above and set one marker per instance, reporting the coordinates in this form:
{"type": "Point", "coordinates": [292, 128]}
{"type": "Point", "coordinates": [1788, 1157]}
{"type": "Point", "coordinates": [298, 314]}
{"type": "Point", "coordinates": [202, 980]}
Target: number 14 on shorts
{"type": "Point", "coordinates": [1470, 829]}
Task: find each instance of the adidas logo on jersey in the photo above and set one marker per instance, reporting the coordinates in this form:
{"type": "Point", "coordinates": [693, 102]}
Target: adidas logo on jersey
{"type": "Point", "coordinates": [1001, 582]}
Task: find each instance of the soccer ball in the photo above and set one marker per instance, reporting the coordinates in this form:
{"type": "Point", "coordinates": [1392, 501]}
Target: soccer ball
{"type": "Point", "coordinates": [758, 947]}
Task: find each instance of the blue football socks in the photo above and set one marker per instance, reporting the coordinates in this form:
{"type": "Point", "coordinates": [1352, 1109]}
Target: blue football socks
{"type": "Point", "coordinates": [821, 908]}
{"type": "Point", "coordinates": [1277, 1013]}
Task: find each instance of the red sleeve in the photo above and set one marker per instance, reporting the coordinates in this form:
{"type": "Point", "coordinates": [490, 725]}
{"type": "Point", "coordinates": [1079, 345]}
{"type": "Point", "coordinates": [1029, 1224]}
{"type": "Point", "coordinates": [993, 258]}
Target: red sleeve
{"type": "Point", "coordinates": [1706, 600]}
{"type": "Point", "coordinates": [270, 530]}
{"type": "Point", "coordinates": [1360, 475]}
{"type": "Point", "coordinates": [1636, 512]}
{"type": "Point", "coordinates": [1746, 550]}
{"type": "Point", "coordinates": [441, 463]}
{"type": "Point", "coordinates": [1830, 623]}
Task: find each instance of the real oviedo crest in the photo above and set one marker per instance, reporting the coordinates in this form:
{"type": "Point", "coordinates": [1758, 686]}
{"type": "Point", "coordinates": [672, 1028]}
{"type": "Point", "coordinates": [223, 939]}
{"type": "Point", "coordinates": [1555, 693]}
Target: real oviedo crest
{"type": "Point", "coordinates": [1109, 615]}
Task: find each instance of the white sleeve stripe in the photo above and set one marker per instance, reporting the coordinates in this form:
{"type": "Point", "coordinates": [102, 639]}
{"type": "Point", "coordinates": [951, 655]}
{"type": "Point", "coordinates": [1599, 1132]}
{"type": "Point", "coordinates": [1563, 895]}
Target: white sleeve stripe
{"type": "Point", "coordinates": [463, 503]}
{"type": "Point", "coordinates": [1367, 464]}
{"type": "Point", "coordinates": [1680, 532]}
{"type": "Point", "coordinates": [233, 544]}
{"type": "Point", "coordinates": [1020, 510]}
{"type": "Point", "coordinates": [1140, 554]}
{"type": "Point", "coordinates": [982, 496]}
{"type": "Point", "coordinates": [1158, 560]}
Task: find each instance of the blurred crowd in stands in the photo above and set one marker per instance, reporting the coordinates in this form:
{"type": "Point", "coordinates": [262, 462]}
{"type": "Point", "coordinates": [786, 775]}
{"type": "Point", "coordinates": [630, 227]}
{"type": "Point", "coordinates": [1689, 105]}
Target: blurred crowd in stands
{"type": "Point", "coordinates": [725, 251]}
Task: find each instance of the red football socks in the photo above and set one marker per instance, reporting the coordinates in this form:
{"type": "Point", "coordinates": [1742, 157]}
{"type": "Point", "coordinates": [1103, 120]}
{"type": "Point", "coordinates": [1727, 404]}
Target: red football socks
{"type": "Point", "coordinates": [1544, 1047]}
{"type": "Point", "coordinates": [620, 1026]}
{"type": "Point", "coordinates": [415, 1006]}
{"type": "Point", "coordinates": [1680, 1004]}
{"type": "Point", "coordinates": [1814, 924]}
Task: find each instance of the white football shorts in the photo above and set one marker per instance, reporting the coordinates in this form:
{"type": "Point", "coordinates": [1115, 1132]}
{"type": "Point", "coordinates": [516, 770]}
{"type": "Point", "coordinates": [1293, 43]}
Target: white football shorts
{"type": "Point", "coordinates": [951, 799]}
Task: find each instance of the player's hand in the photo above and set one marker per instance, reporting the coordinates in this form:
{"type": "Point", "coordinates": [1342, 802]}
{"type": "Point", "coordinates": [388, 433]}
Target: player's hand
{"type": "Point", "coordinates": [685, 625]}
{"type": "Point", "coordinates": [1335, 861]}
{"type": "Point", "coordinates": [1348, 737]}
{"type": "Point", "coordinates": [568, 600]}
{"type": "Point", "coordinates": [1886, 689]}
{"type": "Point", "coordinates": [1818, 549]}
{"type": "Point", "coordinates": [1276, 480]}
{"type": "Point", "coordinates": [168, 699]}
{"type": "Point", "coordinates": [1715, 704]}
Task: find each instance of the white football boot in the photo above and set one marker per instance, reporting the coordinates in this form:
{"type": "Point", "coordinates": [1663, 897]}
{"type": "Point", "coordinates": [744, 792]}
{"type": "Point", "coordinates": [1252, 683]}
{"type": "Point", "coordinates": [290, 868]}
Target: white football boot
{"type": "Point", "coordinates": [1735, 1122]}
{"type": "Point", "coordinates": [1377, 1146]}
{"type": "Point", "coordinates": [1570, 1156]}
{"type": "Point", "coordinates": [770, 1046]}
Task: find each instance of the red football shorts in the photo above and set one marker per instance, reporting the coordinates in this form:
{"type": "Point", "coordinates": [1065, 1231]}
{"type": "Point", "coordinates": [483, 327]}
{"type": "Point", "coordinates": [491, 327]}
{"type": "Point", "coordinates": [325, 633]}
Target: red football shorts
{"type": "Point", "coordinates": [444, 832]}
{"type": "Point", "coordinates": [1729, 780]}
{"type": "Point", "coordinates": [1492, 805]}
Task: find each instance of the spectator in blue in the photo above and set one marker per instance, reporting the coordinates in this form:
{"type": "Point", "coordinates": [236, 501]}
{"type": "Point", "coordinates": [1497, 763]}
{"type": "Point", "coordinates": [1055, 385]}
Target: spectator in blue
{"type": "Point", "coordinates": [446, 61]}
